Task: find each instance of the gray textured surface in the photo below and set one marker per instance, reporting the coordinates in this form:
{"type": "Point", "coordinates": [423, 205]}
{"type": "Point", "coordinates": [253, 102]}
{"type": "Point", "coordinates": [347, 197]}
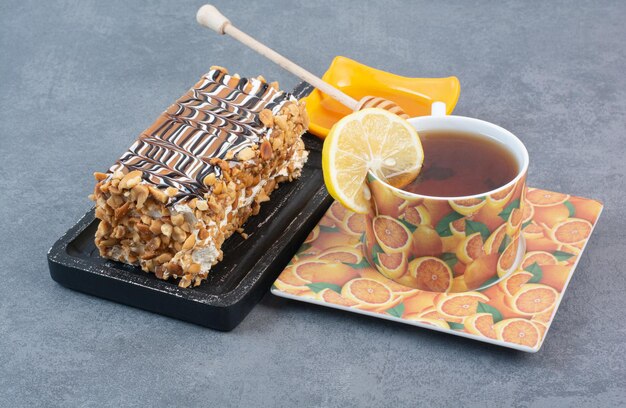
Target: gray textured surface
{"type": "Point", "coordinates": [81, 79]}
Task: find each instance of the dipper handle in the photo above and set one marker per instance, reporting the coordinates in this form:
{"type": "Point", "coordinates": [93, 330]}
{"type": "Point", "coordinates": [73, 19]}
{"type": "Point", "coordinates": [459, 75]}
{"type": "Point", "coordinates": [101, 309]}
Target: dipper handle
{"type": "Point", "coordinates": [210, 17]}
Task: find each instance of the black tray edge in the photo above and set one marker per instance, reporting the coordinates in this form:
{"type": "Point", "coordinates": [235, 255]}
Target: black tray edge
{"type": "Point", "coordinates": [65, 268]}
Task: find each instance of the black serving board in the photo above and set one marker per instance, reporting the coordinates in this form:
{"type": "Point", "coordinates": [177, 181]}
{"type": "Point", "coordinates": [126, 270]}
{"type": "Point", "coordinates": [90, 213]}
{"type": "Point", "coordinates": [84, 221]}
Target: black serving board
{"type": "Point", "coordinates": [235, 285]}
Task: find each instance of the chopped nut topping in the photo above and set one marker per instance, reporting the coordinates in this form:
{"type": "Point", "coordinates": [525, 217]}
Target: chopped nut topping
{"type": "Point", "coordinates": [262, 197]}
{"type": "Point", "coordinates": [203, 234]}
{"type": "Point", "coordinates": [185, 281]}
{"type": "Point", "coordinates": [167, 229]}
{"type": "Point", "coordinates": [160, 272]}
{"type": "Point", "coordinates": [171, 191]}
{"type": "Point", "coordinates": [123, 210]}
{"type": "Point", "coordinates": [154, 244]}
{"type": "Point", "coordinates": [202, 205]}
{"type": "Point", "coordinates": [277, 143]}
{"type": "Point", "coordinates": [143, 229]}
{"type": "Point", "coordinates": [209, 180]}
{"type": "Point", "coordinates": [164, 258]}
{"type": "Point", "coordinates": [266, 150]}
{"type": "Point", "coordinates": [189, 242]}
{"type": "Point", "coordinates": [100, 176]}
{"type": "Point", "coordinates": [130, 180]}
{"type": "Point", "coordinates": [178, 234]}
{"type": "Point", "coordinates": [104, 228]}
{"type": "Point", "coordinates": [158, 194]}
{"type": "Point", "coordinates": [293, 109]}
{"type": "Point", "coordinates": [148, 255]}
{"type": "Point", "coordinates": [155, 226]}
{"type": "Point", "coordinates": [271, 185]}
{"type": "Point", "coordinates": [108, 242]}
{"type": "Point", "coordinates": [119, 232]}
{"type": "Point", "coordinates": [281, 122]}
{"type": "Point", "coordinates": [267, 117]}
{"type": "Point", "coordinates": [178, 219]}
{"type": "Point", "coordinates": [174, 268]}
{"type": "Point", "coordinates": [245, 154]}
{"type": "Point", "coordinates": [141, 194]}
{"type": "Point", "coordinates": [115, 201]}
{"type": "Point", "coordinates": [217, 189]}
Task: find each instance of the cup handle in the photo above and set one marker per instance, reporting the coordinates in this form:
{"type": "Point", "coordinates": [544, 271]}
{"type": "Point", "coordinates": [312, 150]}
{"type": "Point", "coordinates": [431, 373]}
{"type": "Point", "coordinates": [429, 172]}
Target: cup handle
{"type": "Point", "coordinates": [438, 109]}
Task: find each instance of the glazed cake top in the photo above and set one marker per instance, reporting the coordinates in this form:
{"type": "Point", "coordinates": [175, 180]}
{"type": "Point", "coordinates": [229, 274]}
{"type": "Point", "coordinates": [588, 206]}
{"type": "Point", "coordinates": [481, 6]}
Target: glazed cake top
{"type": "Point", "coordinates": [218, 115]}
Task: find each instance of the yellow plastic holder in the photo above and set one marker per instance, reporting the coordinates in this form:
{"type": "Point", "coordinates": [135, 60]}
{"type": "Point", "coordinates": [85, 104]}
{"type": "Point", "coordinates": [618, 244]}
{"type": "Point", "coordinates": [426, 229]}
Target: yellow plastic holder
{"type": "Point", "coordinates": [414, 95]}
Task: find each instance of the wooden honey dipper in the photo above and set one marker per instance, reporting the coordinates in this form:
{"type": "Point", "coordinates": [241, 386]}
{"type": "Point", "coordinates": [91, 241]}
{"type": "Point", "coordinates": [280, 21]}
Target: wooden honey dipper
{"type": "Point", "coordinates": [210, 17]}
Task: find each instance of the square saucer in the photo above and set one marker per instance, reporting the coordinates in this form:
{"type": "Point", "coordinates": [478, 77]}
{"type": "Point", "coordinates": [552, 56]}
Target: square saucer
{"type": "Point", "coordinates": [330, 262]}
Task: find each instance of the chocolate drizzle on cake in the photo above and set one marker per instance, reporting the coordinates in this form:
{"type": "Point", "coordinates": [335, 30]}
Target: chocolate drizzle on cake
{"type": "Point", "coordinates": [220, 114]}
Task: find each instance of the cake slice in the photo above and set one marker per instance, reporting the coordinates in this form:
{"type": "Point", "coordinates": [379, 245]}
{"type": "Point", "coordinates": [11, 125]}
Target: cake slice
{"type": "Point", "coordinates": [197, 174]}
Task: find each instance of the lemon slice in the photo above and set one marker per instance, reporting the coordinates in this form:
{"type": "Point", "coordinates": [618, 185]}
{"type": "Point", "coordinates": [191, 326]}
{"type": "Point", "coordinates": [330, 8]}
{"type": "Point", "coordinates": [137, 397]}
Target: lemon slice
{"type": "Point", "coordinates": [369, 140]}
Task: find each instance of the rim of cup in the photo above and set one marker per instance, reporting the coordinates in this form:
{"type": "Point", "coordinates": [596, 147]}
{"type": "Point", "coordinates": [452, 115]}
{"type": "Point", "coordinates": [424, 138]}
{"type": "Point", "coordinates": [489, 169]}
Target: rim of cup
{"type": "Point", "coordinates": [514, 145]}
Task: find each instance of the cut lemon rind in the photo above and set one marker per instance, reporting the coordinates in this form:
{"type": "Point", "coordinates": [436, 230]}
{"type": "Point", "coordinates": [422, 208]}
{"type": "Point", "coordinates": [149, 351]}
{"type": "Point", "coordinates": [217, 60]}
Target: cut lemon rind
{"type": "Point", "coordinates": [369, 140]}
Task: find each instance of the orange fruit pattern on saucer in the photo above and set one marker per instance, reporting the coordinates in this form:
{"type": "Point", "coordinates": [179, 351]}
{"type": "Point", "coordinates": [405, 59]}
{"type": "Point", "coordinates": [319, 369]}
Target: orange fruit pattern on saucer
{"type": "Point", "coordinates": [516, 308]}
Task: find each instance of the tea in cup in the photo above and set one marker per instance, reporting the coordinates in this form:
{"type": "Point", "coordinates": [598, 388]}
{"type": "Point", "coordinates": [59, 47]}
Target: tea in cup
{"type": "Point", "coordinates": [457, 227]}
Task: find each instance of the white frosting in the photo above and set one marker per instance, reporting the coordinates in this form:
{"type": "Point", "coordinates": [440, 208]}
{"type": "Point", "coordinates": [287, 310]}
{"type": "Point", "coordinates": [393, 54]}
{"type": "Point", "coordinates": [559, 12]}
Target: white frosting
{"type": "Point", "coordinates": [206, 256]}
{"type": "Point", "coordinates": [187, 212]}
